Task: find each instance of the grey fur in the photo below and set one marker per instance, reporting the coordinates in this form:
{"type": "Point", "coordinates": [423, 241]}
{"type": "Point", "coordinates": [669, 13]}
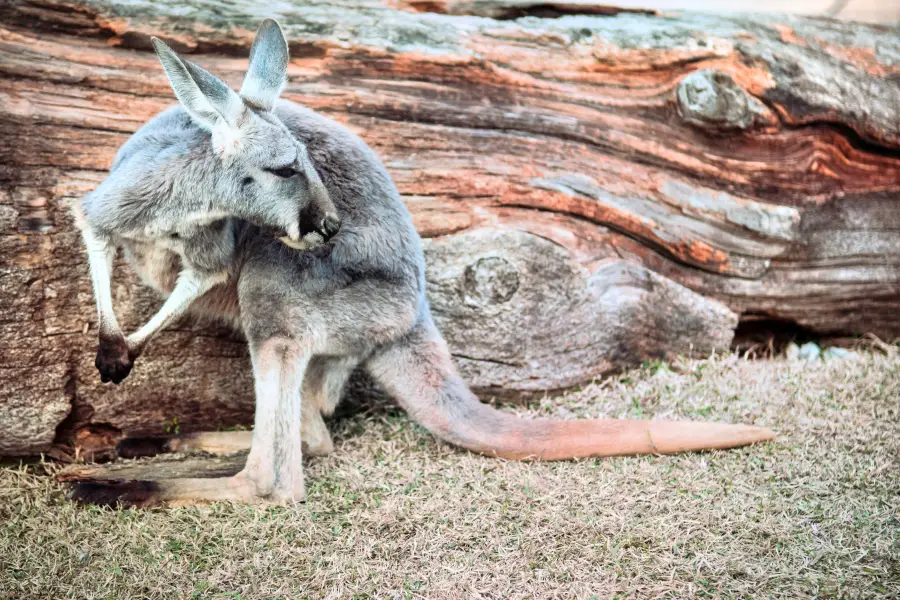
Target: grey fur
{"type": "Point", "coordinates": [207, 99]}
{"type": "Point", "coordinates": [176, 206]}
{"type": "Point", "coordinates": [268, 66]}
{"type": "Point", "coordinates": [192, 231]}
{"type": "Point", "coordinates": [184, 187]}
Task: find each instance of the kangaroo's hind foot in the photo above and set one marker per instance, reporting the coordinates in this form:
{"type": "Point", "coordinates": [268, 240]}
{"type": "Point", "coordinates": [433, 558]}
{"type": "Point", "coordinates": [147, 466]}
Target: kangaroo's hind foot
{"type": "Point", "coordinates": [163, 482]}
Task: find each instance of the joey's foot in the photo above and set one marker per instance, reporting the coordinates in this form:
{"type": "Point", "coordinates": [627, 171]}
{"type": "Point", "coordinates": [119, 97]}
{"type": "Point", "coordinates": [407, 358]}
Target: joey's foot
{"type": "Point", "coordinates": [114, 359]}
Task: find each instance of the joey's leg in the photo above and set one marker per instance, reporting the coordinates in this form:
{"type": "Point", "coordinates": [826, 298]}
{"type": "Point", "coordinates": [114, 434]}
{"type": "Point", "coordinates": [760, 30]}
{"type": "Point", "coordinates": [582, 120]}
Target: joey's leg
{"type": "Point", "coordinates": [322, 388]}
{"type": "Point", "coordinates": [275, 463]}
{"type": "Point", "coordinates": [191, 285]}
{"type": "Point", "coordinates": [113, 356]}
{"type": "Point", "coordinates": [325, 380]}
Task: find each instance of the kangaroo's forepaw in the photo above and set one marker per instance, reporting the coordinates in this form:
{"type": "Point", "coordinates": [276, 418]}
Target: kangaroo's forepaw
{"type": "Point", "coordinates": [114, 359]}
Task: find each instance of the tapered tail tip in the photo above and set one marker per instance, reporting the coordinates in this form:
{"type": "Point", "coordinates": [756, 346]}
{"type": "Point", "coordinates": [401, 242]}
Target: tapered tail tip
{"type": "Point", "coordinates": [732, 436]}
{"type": "Point", "coordinates": [759, 434]}
{"type": "Point", "coordinates": [672, 437]}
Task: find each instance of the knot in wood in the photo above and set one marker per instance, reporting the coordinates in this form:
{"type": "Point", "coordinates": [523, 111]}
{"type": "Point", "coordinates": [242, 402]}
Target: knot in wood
{"type": "Point", "coordinates": [712, 100]}
{"type": "Point", "coordinates": [490, 280]}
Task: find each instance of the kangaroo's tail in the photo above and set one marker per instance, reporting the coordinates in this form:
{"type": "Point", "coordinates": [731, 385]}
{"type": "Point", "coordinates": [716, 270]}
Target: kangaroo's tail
{"type": "Point", "coordinates": [417, 371]}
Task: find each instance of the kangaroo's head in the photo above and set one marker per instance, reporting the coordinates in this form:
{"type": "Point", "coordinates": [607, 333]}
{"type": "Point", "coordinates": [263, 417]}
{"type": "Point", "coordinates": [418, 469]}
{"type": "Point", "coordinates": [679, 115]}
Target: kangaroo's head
{"type": "Point", "coordinates": [255, 168]}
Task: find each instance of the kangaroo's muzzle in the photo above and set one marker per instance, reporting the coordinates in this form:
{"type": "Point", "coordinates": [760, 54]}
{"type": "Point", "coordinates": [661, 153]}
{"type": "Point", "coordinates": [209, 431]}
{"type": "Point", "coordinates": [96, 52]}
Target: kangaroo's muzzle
{"type": "Point", "coordinates": [318, 220]}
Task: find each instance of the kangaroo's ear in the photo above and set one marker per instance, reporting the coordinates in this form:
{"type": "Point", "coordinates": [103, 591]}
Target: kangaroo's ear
{"type": "Point", "coordinates": [268, 66]}
{"type": "Point", "coordinates": [210, 102]}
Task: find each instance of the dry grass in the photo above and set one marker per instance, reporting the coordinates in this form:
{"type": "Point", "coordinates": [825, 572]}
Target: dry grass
{"type": "Point", "coordinates": [393, 514]}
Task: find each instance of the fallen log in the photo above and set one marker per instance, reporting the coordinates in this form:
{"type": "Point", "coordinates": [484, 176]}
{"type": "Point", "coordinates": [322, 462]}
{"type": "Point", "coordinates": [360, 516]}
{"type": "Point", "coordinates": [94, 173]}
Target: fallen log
{"type": "Point", "coordinates": [135, 483]}
{"type": "Point", "coordinates": [595, 188]}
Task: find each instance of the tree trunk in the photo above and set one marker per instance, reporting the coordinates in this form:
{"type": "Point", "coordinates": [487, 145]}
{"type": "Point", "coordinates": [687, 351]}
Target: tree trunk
{"type": "Point", "coordinates": [595, 187]}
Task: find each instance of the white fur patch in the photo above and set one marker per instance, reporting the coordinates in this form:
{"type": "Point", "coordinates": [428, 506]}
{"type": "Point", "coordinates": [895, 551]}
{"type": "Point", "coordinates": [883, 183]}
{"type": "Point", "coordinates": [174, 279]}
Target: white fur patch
{"type": "Point", "coordinates": [226, 140]}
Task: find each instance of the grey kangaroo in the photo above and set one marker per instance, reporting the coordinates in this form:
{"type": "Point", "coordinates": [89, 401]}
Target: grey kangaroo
{"type": "Point", "coordinates": [260, 212]}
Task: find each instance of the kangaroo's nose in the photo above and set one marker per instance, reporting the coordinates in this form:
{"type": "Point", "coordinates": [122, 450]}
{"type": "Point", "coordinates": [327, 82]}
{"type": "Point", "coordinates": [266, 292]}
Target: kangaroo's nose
{"type": "Point", "coordinates": [329, 226]}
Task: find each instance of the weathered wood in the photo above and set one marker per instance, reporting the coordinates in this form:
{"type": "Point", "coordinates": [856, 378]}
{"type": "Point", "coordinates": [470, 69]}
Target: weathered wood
{"type": "Point", "coordinates": [133, 483]}
{"type": "Point", "coordinates": [148, 470]}
{"type": "Point", "coordinates": [594, 190]}
{"type": "Point", "coordinates": [218, 443]}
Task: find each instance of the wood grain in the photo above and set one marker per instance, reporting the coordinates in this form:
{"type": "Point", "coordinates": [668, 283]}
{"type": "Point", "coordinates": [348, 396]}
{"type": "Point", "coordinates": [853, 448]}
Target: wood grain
{"type": "Point", "coordinates": [596, 188]}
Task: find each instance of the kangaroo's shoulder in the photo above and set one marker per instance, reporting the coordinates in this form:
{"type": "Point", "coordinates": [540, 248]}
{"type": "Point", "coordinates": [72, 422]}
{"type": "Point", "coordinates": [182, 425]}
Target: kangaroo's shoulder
{"type": "Point", "coordinates": [310, 126]}
{"type": "Point", "coordinates": [142, 171]}
{"type": "Point", "coordinates": [170, 130]}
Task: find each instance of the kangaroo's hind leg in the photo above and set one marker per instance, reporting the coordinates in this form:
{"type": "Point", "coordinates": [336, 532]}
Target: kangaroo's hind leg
{"type": "Point", "coordinates": [275, 462]}
{"type": "Point", "coordinates": [273, 472]}
{"type": "Point", "coordinates": [274, 468]}
{"type": "Point", "coordinates": [323, 385]}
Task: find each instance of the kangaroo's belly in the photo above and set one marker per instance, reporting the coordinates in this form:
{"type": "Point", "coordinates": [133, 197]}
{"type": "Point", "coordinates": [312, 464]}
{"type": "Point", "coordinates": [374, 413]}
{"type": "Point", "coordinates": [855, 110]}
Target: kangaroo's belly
{"type": "Point", "coordinates": [158, 267]}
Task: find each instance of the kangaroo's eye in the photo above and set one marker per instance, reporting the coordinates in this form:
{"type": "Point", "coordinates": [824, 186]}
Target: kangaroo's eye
{"type": "Point", "coordinates": [283, 172]}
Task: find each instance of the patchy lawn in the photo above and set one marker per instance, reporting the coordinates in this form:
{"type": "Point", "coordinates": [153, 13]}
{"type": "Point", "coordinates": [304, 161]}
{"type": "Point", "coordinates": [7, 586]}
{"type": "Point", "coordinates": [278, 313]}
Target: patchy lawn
{"type": "Point", "coordinates": [393, 514]}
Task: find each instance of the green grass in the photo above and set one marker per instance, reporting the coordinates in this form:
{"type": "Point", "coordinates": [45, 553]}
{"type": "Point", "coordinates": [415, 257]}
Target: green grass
{"type": "Point", "coordinates": [394, 514]}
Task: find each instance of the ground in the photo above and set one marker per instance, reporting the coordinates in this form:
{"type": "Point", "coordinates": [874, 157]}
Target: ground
{"type": "Point", "coordinates": [394, 514]}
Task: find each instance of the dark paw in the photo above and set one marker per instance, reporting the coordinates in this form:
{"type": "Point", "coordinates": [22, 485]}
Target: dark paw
{"type": "Point", "coordinates": [330, 225]}
{"type": "Point", "coordinates": [114, 360]}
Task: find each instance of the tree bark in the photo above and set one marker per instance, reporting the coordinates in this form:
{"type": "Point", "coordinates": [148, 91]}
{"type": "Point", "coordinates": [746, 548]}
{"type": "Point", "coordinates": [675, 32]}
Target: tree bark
{"type": "Point", "coordinates": [595, 187]}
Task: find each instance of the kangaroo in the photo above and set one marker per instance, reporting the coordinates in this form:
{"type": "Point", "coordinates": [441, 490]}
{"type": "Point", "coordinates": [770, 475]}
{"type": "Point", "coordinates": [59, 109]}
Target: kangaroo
{"type": "Point", "coordinates": [262, 213]}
